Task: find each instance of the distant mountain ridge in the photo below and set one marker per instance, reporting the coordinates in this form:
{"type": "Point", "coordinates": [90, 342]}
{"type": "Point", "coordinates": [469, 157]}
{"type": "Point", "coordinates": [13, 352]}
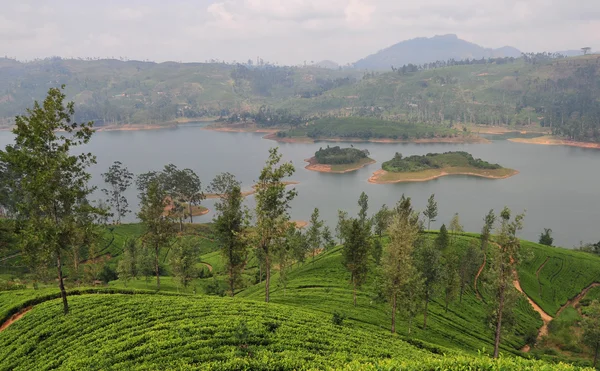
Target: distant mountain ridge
{"type": "Point", "coordinates": [425, 50]}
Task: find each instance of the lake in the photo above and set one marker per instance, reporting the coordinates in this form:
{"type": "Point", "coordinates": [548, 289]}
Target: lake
{"type": "Point", "coordinates": [557, 186]}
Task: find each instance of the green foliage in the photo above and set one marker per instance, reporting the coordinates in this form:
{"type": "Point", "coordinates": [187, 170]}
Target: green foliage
{"type": "Point", "coordinates": [442, 240]}
{"type": "Point", "coordinates": [414, 163]}
{"type": "Point", "coordinates": [368, 128]}
{"type": "Point", "coordinates": [431, 211]}
{"type": "Point", "coordinates": [336, 155]}
{"type": "Point", "coordinates": [355, 254]}
{"type": "Point", "coordinates": [338, 318]}
{"type": "Point", "coordinates": [591, 329]}
{"type": "Point", "coordinates": [546, 237]}
{"type": "Point", "coordinates": [183, 257]}
{"type": "Point", "coordinates": [119, 178]}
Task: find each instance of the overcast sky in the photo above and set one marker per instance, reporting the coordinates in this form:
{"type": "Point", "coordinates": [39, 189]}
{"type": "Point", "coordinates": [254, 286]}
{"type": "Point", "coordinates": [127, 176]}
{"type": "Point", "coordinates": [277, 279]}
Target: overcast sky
{"type": "Point", "coordinates": [283, 31]}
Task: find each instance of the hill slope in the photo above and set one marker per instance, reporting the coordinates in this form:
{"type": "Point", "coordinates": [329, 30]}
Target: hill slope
{"type": "Point", "coordinates": [425, 50]}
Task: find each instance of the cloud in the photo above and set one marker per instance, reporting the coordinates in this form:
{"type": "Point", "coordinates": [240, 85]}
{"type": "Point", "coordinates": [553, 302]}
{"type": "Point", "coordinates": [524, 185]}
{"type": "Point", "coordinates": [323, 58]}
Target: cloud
{"type": "Point", "coordinates": [284, 31]}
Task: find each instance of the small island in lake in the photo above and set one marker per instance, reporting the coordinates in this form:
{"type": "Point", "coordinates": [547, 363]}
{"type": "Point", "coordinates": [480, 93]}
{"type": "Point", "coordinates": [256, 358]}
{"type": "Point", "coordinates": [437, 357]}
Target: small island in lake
{"type": "Point", "coordinates": [339, 160]}
{"type": "Point", "coordinates": [435, 165]}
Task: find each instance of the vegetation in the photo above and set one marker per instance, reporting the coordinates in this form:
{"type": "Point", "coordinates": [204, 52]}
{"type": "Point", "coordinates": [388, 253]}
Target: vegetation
{"type": "Point", "coordinates": [338, 156]}
{"type": "Point", "coordinates": [435, 161]}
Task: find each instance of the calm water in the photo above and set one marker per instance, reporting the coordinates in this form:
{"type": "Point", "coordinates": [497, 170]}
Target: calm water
{"type": "Point", "coordinates": [557, 186]}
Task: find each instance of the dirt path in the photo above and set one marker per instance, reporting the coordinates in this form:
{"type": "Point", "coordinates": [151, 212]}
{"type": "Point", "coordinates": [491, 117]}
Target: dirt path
{"type": "Point", "coordinates": [15, 317]}
{"type": "Point", "coordinates": [479, 274]}
{"type": "Point", "coordinates": [10, 257]}
{"type": "Point", "coordinates": [546, 318]}
{"type": "Point", "coordinates": [210, 268]}
{"type": "Point", "coordinates": [574, 301]}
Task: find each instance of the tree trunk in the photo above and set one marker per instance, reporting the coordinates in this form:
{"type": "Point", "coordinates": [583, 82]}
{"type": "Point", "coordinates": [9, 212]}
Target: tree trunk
{"type": "Point", "coordinates": [394, 314]}
{"type": "Point", "coordinates": [268, 278]}
{"type": "Point", "coordinates": [354, 290]}
{"type": "Point", "coordinates": [231, 283]}
{"type": "Point", "coordinates": [409, 324]}
{"type": "Point", "coordinates": [425, 313]}
{"type": "Point", "coordinates": [462, 289]}
{"type": "Point", "coordinates": [499, 324]}
{"type": "Point", "coordinates": [156, 267]}
{"type": "Point", "coordinates": [596, 355]}
{"type": "Point", "coordinates": [61, 285]}
{"type": "Point", "coordinates": [190, 211]}
{"type": "Point", "coordinates": [180, 224]}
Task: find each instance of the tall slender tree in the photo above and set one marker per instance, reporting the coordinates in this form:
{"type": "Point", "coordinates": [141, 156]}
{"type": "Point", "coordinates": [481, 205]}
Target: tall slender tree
{"type": "Point", "coordinates": [49, 185]}
{"type": "Point", "coordinates": [502, 270]}
{"type": "Point", "coordinates": [314, 233]}
{"type": "Point", "coordinates": [231, 226]}
{"type": "Point", "coordinates": [397, 264]}
{"type": "Point", "coordinates": [159, 227]}
{"type": "Point", "coordinates": [431, 211]}
{"type": "Point", "coordinates": [272, 204]}
{"type": "Point", "coordinates": [355, 255]}
{"type": "Point", "coordinates": [429, 264]}
{"type": "Point", "coordinates": [591, 328]}
{"type": "Point", "coordinates": [119, 179]}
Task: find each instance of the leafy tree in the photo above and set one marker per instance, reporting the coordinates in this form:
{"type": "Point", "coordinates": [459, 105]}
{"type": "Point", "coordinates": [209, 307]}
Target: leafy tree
{"type": "Point", "coordinates": [450, 279]}
{"type": "Point", "coordinates": [314, 232]}
{"type": "Point", "coordinates": [506, 257]}
{"type": "Point", "coordinates": [183, 188]}
{"type": "Point", "coordinates": [397, 265]}
{"type": "Point", "coordinates": [410, 300]}
{"type": "Point", "coordinates": [381, 220]}
{"type": "Point", "coordinates": [328, 238]}
{"type": "Point", "coordinates": [431, 211]}
{"type": "Point", "coordinates": [341, 229]}
{"type": "Point", "coordinates": [230, 226]}
{"type": "Point", "coordinates": [468, 266]}
{"type": "Point", "coordinates": [183, 258]}
{"type": "Point", "coordinates": [49, 185]}
{"type": "Point", "coordinates": [127, 266]}
{"type": "Point", "coordinates": [159, 228]}
{"type": "Point", "coordinates": [429, 265]}
{"type": "Point", "coordinates": [546, 237]}
{"type": "Point", "coordinates": [591, 328]}
{"type": "Point", "coordinates": [455, 226]}
{"type": "Point", "coordinates": [442, 240]}
{"type": "Point", "coordinates": [119, 178]}
{"type": "Point", "coordinates": [355, 255]}
{"type": "Point", "coordinates": [488, 225]}
{"type": "Point", "coordinates": [272, 204]}
{"type": "Point", "coordinates": [363, 202]}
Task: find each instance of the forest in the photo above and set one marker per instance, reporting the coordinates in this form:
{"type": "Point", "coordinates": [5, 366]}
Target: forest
{"type": "Point", "coordinates": [336, 155]}
{"type": "Point", "coordinates": [413, 163]}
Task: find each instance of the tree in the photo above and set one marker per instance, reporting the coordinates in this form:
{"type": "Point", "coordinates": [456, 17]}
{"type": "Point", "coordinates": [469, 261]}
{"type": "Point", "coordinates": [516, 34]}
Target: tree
{"type": "Point", "coordinates": [468, 266]}
{"type": "Point", "coordinates": [502, 267]}
{"type": "Point", "coordinates": [272, 204]}
{"type": "Point", "coordinates": [230, 226]}
{"type": "Point", "coordinates": [183, 188]}
{"type": "Point", "coordinates": [397, 266]}
{"type": "Point", "coordinates": [455, 226]}
{"type": "Point", "coordinates": [591, 328]}
{"type": "Point", "coordinates": [431, 211]}
{"type": "Point", "coordinates": [586, 50]}
{"type": "Point", "coordinates": [488, 225]}
{"type": "Point", "coordinates": [355, 255]}
{"type": "Point", "coordinates": [183, 258]}
{"type": "Point", "coordinates": [49, 185]}
{"type": "Point", "coordinates": [442, 240]}
{"type": "Point", "coordinates": [119, 179]}
{"type": "Point", "coordinates": [381, 220]}
{"type": "Point", "coordinates": [341, 229]}
{"type": "Point", "coordinates": [450, 278]}
{"type": "Point", "coordinates": [159, 228]}
{"type": "Point", "coordinates": [430, 267]}
{"type": "Point", "coordinates": [314, 232]}
{"type": "Point", "coordinates": [546, 237]}
{"type": "Point", "coordinates": [127, 266]}
{"type": "Point", "coordinates": [328, 238]}
{"type": "Point", "coordinates": [363, 202]}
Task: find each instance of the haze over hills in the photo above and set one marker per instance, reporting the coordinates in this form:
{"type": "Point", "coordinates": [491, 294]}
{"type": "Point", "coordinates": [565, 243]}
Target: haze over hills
{"type": "Point", "coordinates": [425, 50]}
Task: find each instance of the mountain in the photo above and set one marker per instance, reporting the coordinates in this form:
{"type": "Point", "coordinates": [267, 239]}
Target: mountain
{"type": "Point", "coordinates": [425, 50]}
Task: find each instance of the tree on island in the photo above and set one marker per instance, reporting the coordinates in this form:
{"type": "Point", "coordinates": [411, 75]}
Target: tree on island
{"type": "Point", "coordinates": [272, 204]}
{"type": "Point", "coordinates": [48, 184]}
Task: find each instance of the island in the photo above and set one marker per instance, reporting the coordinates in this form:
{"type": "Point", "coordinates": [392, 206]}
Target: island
{"type": "Point", "coordinates": [435, 165]}
{"type": "Point", "coordinates": [339, 160]}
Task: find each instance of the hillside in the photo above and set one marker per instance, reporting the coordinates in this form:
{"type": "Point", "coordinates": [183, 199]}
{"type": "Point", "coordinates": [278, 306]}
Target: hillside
{"type": "Point", "coordinates": [425, 50]}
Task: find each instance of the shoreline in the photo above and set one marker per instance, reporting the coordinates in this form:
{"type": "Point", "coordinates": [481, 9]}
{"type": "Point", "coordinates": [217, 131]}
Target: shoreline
{"type": "Point", "coordinates": [376, 177]}
{"type": "Point", "coordinates": [210, 196]}
{"type": "Point", "coordinates": [552, 141]}
{"type": "Point", "coordinates": [313, 165]}
{"type": "Point", "coordinates": [458, 140]}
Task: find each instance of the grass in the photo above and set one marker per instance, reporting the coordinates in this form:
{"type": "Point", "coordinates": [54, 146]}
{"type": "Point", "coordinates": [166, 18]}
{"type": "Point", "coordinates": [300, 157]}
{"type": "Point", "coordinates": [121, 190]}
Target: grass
{"type": "Point", "coordinates": [430, 174]}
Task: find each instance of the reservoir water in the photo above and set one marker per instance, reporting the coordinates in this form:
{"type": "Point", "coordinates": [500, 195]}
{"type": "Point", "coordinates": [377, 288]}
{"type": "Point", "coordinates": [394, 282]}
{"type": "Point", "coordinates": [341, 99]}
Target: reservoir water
{"type": "Point", "coordinates": [557, 186]}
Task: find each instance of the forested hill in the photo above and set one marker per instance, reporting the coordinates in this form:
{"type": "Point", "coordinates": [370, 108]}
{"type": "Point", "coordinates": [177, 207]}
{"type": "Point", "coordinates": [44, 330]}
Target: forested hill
{"type": "Point", "coordinates": [425, 50]}
{"type": "Point", "coordinates": [558, 93]}
{"type": "Point", "coordinates": [132, 92]}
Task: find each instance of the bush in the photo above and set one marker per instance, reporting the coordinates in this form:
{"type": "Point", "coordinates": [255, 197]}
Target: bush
{"type": "Point", "coordinates": [338, 318]}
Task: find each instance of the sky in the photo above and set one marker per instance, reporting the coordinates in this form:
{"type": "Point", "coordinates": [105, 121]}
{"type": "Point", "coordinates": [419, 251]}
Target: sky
{"type": "Point", "coordinates": [283, 31]}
